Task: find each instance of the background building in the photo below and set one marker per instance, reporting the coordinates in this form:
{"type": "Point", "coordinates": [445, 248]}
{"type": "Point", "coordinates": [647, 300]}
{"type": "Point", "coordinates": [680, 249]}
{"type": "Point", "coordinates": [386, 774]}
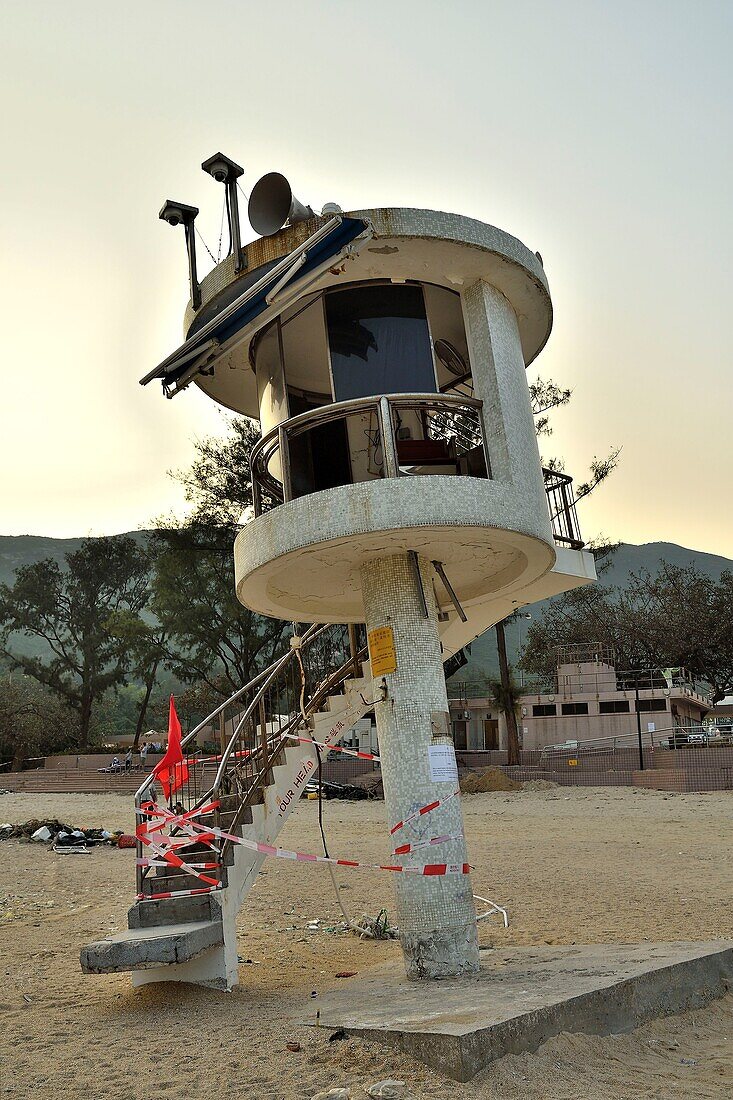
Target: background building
{"type": "Point", "coordinates": [589, 699]}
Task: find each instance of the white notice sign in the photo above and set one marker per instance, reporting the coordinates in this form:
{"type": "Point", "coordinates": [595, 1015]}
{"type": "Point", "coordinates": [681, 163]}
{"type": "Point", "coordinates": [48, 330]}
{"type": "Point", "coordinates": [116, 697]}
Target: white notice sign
{"type": "Point", "coordinates": [443, 767]}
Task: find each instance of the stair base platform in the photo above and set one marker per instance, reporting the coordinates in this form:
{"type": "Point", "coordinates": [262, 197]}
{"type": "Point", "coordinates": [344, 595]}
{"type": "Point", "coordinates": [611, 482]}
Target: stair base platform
{"type": "Point", "coordinates": [524, 996]}
{"type": "Point", "coordinates": [145, 948]}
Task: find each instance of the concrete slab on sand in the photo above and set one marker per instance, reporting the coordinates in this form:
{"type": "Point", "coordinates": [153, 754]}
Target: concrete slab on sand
{"type": "Point", "coordinates": [525, 995]}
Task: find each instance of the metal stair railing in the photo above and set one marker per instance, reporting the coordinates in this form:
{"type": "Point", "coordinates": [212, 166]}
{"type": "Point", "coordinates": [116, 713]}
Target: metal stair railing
{"type": "Point", "coordinates": [257, 735]}
{"type": "Point", "coordinates": [265, 756]}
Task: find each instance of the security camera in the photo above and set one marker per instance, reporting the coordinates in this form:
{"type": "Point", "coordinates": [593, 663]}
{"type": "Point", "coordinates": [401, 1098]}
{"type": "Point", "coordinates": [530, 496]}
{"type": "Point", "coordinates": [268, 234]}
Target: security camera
{"type": "Point", "coordinates": [177, 213]}
{"type": "Point", "coordinates": [221, 168]}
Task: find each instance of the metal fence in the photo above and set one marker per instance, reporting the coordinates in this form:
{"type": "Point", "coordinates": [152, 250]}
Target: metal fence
{"type": "Point", "coordinates": [703, 766]}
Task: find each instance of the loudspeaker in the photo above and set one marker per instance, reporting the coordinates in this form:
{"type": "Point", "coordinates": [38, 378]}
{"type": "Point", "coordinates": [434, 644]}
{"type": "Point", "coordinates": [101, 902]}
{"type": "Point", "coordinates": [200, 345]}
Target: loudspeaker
{"type": "Point", "coordinates": [272, 203]}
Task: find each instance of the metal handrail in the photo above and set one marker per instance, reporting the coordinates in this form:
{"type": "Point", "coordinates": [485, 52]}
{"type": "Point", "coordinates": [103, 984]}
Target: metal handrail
{"type": "Point", "coordinates": [314, 630]}
{"type": "Point", "coordinates": [261, 683]}
{"type": "Point", "coordinates": [326, 687]}
{"type": "Point", "coordinates": [558, 485]}
{"type": "Point", "coordinates": [279, 437]}
{"type": "Point", "coordinates": [561, 503]}
{"type": "Point", "coordinates": [275, 743]}
{"type": "Point", "coordinates": [611, 742]}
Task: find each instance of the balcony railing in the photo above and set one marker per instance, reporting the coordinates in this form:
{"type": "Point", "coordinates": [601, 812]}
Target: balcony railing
{"type": "Point", "coordinates": [394, 435]}
{"type": "Point", "coordinates": [561, 502]}
{"type": "Point", "coordinates": [387, 436]}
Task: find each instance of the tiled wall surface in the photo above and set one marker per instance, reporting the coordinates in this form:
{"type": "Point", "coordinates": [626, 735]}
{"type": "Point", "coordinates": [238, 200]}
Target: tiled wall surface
{"type": "Point", "coordinates": [436, 915]}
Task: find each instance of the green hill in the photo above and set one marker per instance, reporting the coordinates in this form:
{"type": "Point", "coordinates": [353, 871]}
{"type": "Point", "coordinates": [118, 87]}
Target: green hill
{"type": "Point", "coordinates": [18, 550]}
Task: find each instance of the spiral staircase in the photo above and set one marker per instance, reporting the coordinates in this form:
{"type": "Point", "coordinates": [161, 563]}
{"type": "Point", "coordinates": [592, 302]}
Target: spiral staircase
{"type": "Point", "coordinates": [182, 926]}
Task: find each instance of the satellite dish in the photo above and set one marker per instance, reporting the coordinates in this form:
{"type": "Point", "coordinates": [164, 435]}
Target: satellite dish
{"type": "Point", "coordinates": [272, 203]}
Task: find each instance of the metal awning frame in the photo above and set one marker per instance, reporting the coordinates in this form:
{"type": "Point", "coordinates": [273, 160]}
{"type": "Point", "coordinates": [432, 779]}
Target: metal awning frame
{"type": "Point", "coordinates": [204, 352]}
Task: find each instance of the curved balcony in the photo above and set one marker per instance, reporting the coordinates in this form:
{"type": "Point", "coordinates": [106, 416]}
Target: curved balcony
{"type": "Point", "coordinates": [367, 439]}
{"type": "Point", "coordinates": [389, 436]}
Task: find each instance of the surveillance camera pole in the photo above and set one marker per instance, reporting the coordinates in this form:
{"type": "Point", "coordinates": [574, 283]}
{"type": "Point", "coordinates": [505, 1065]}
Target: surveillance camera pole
{"type": "Point", "coordinates": [177, 213]}
{"type": "Point", "coordinates": [231, 186]}
{"type": "Point", "coordinates": [192, 272]}
{"type": "Point", "coordinates": [224, 170]}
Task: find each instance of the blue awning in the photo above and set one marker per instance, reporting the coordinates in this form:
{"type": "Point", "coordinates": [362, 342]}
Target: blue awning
{"type": "Point", "coordinates": [253, 301]}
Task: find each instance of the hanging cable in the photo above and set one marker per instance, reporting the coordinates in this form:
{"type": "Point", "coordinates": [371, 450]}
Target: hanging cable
{"type": "Point", "coordinates": [203, 242]}
{"type": "Point", "coordinates": [295, 642]}
{"type": "Point", "coordinates": [221, 226]}
{"type": "Point", "coordinates": [229, 220]}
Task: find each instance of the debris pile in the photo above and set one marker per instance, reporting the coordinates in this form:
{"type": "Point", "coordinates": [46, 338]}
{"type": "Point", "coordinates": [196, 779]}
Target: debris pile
{"type": "Point", "coordinates": [370, 928]}
{"type": "Point", "coordinates": [487, 779]}
{"type": "Point", "coordinates": [60, 835]}
{"type": "Point", "coordinates": [368, 785]}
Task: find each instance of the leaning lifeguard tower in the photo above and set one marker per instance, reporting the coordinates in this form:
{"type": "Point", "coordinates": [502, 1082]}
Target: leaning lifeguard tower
{"type": "Point", "coordinates": [397, 484]}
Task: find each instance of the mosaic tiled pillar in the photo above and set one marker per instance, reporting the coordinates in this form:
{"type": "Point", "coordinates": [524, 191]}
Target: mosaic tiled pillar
{"type": "Point", "coordinates": [436, 915]}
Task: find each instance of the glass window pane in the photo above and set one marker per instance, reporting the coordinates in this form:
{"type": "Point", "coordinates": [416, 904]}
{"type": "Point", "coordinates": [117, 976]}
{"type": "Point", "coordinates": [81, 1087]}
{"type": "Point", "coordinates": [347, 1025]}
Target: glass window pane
{"type": "Point", "coordinates": [379, 341]}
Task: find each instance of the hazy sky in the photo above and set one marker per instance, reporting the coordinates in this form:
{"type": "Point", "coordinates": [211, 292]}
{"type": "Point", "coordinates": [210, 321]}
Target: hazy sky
{"type": "Point", "coordinates": [599, 134]}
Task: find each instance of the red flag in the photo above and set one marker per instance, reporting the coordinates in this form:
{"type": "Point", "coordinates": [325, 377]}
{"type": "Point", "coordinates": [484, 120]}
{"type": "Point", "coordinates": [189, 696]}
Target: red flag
{"type": "Point", "coordinates": [172, 771]}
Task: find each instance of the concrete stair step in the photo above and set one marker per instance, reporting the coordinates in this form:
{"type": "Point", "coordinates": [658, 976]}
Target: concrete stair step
{"type": "Point", "coordinates": [157, 912]}
{"type": "Point", "coordinates": [143, 948]}
{"type": "Point", "coordinates": [180, 880]}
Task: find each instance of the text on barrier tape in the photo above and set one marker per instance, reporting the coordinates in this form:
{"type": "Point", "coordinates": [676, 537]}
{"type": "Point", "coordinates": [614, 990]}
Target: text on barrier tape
{"type": "Point", "coordinates": [422, 811]}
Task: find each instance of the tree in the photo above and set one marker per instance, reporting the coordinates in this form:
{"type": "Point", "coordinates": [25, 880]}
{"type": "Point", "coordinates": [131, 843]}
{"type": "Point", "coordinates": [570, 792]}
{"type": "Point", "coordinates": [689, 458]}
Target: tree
{"type": "Point", "coordinates": [32, 721]}
{"type": "Point", "coordinates": [210, 636]}
{"type": "Point", "coordinates": [219, 482]}
{"type": "Point", "coordinates": [678, 617]}
{"type": "Point", "coordinates": [147, 647]}
{"type": "Point", "coordinates": [505, 694]}
{"type": "Point", "coordinates": [70, 610]}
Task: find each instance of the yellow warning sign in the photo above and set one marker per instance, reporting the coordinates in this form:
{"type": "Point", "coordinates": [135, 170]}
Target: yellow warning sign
{"type": "Point", "coordinates": [572, 763]}
{"type": "Point", "coordinates": [382, 653]}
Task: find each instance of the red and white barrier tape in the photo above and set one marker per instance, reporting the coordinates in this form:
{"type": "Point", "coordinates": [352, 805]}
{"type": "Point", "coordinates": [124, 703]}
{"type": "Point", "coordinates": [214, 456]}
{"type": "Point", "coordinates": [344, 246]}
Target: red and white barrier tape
{"type": "Point", "coordinates": [422, 811]}
{"type": "Point", "coordinates": [202, 832]}
{"type": "Point", "coordinates": [179, 893]}
{"type": "Point", "coordinates": [167, 863]}
{"type": "Point", "coordinates": [333, 748]}
{"type": "Point", "coordinates": [405, 848]}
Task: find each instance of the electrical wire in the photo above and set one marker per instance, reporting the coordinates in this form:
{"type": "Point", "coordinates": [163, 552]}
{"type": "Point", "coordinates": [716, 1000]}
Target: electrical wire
{"type": "Point", "coordinates": [316, 746]}
{"type": "Point", "coordinates": [221, 226]}
{"type": "Point", "coordinates": [203, 242]}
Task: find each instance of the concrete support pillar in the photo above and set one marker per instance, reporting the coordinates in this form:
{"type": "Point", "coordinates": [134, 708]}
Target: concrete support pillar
{"type": "Point", "coordinates": [436, 915]}
{"type": "Point", "coordinates": [500, 380]}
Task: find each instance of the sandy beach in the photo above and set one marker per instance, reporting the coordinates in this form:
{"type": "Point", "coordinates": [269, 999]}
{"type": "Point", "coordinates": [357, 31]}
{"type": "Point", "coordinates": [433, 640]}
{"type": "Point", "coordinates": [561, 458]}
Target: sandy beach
{"type": "Point", "coordinates": [570, 865]}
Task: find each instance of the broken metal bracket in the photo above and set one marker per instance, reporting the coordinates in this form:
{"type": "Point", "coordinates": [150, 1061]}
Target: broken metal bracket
{"type": "Point", "coordinates": [415, 563]}
{"type": "Point", "coordinates": [383, 693]}
{"type": "Point", "coordinates": [439, 569]}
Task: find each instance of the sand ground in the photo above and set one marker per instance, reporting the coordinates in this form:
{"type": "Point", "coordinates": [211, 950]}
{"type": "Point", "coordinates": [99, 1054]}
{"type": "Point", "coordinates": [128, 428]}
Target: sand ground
{"type": "Point", "coordinates": [571, 865]}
